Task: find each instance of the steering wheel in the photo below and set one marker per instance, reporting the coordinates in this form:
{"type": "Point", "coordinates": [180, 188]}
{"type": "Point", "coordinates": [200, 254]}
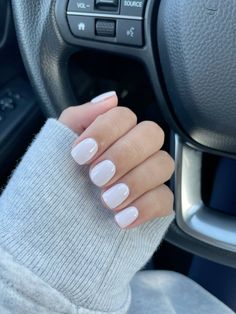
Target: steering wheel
{"type": "Point", "coordinates": [189, 51]}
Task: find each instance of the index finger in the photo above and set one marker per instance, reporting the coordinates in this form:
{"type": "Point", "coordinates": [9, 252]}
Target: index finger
{"type": "Point", "coordinates": [102, 133]}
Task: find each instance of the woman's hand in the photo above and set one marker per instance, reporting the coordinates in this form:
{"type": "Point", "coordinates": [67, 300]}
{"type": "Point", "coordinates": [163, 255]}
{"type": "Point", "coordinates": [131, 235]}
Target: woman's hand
{"type": "Point", "coordinates": [124, 157]}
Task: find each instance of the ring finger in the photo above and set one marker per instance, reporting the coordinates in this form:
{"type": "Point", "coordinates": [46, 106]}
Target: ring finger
{"type": "Point", "coordinates": [151, 173]}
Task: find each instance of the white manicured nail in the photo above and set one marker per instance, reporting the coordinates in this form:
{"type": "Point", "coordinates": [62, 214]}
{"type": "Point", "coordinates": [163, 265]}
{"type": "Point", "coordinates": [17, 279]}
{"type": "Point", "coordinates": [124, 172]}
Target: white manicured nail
{"type": "Point", "coordinates": [127, 216]}
{"type": "Point", "coordinates": [103, 97]}
{"type": "Point", "coordinates": [116, 195]}
{"type": "Point", "coordinates": [84, 151]}
{"type": "Point", "coordinates": [102, 172]}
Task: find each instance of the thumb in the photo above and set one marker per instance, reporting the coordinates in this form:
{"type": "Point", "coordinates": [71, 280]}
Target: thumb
{"type": "Point", "coordinates": [78, 118]}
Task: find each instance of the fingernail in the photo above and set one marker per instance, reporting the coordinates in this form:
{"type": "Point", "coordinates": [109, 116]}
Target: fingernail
{"type": "Point", "coordinates": [116, 195]}
{"type": "Point", "coordinates": [84, 151]}
{"type": "Point", "coordinates": [102, 172]}
{"type": "Point", "coordinates": [127, 216]}
{"type": "Point", "coordinates": [103, 97]}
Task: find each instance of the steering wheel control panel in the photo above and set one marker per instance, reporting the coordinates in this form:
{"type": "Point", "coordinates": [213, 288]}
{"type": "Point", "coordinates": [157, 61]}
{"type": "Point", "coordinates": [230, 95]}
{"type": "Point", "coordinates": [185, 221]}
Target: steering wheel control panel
{"type": "Point", "coordinates": [115, 21]}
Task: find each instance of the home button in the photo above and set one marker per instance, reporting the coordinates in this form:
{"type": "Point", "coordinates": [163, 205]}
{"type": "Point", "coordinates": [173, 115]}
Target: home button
{"type": "Point", "coordinates": [82, 26]}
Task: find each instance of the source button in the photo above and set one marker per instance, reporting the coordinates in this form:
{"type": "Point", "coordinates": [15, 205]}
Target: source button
{"type": "Point", "coordinates": [132, 7]}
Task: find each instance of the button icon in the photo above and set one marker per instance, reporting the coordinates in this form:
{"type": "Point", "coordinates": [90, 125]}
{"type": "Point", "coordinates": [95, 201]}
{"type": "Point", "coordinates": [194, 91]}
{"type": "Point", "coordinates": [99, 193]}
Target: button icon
{"type": "Point", "coordinates": [130, 32]}
{"type": "Point", "coordinates": [81, 26]}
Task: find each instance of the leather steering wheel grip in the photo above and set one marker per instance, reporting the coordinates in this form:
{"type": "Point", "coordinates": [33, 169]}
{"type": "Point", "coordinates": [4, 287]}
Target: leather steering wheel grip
{"type": "Point", "coordinates": [45, 54]}
{"type": "Point", "coordinates": [197, 49]}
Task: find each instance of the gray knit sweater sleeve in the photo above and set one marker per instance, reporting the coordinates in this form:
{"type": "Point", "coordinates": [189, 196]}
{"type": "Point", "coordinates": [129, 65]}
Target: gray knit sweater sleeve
{"type": "Point", "coordinates": [61, 251]}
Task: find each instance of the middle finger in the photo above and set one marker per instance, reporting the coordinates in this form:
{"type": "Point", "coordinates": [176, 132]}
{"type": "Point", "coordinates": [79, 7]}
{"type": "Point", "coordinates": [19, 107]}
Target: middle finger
{"type": "Point", "coordinates": [127, 153]}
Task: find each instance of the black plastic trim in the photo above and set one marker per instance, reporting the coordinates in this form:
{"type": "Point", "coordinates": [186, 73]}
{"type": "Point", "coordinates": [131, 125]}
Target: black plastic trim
{"type": "Point", "coordinates": [5, 22]}
{"type": "Point", "coordinates": [182, 240]}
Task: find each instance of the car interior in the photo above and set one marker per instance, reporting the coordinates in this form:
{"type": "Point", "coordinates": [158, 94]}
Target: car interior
{"type": "Point", "coordinates": [170, 61]}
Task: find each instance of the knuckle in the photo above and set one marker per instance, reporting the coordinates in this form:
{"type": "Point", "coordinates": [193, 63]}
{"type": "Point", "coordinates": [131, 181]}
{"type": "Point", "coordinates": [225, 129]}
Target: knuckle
{"type": "Point", "coordinates": [100, 119]}
{"type": "Point", "coordinates": [154, 130]}
{"type": "Point", "coordinates": [68, 111]}
{"type": "Point", "coordinates": [126, 113]}
{"type": "Point", "coordinates": [131, 149]}
{"type": "Point", "coordinates": [113, 120]}
{"type": "Point", "coordinates": [67, 114]}
{"type": "Point", "coordinates": [168, 161]}
{"type": "Point", "coordinates": [168, 196]}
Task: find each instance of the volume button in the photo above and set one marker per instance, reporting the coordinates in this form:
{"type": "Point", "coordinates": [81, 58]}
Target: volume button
{"type": "Point", "coordinates": [80, 6]}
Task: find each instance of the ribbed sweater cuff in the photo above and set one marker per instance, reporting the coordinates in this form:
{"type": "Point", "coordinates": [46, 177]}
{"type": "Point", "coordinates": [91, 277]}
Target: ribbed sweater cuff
{"type": "Point", "coordinates": [53, 222]}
